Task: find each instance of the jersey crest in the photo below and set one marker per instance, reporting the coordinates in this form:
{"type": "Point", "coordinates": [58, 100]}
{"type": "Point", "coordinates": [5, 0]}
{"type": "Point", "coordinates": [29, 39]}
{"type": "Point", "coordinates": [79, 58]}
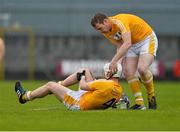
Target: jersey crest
{"type": "Point", "coordinates": [117, 36]}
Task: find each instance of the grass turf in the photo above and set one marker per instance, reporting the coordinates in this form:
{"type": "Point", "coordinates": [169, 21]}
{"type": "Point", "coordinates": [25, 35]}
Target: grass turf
{"type": "Point", "coordinates": [49, 114]}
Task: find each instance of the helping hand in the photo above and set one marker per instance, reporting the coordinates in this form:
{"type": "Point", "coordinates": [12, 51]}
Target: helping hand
{"type": "Point", "coordinates": [113, 68]}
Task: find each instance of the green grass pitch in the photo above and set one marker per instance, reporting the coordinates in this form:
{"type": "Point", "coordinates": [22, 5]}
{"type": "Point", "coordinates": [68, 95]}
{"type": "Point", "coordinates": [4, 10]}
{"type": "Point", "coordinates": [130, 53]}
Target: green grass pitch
{"type": "Point", "coordinates": [49, 114]}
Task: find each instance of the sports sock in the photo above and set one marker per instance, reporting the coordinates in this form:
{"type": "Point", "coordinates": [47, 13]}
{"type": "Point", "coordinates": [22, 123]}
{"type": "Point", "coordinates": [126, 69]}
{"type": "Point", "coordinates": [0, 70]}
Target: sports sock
{"type": "Point", "coordinates": [147, 80]}
{"type": "Point", "coordinates": [27, 96]}
{"type": "Point", "coordinates": [60, 82]}
{"type": "Point", "coordinates": [135, 85]}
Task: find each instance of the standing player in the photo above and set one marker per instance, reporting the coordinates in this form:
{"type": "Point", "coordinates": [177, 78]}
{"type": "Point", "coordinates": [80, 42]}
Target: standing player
{"type": "Point", "coordinates": [93, 94]}
{"type": "Point", "coordinates": [137, 43]}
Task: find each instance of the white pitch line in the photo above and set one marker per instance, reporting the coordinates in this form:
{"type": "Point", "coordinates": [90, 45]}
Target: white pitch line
{"type": "Point", "coordinates": [46, 108]}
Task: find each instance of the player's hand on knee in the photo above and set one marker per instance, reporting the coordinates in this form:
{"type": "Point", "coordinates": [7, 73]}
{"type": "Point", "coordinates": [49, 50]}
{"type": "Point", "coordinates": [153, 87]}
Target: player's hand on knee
{"type": "Point", "coordinates": [80, 74]}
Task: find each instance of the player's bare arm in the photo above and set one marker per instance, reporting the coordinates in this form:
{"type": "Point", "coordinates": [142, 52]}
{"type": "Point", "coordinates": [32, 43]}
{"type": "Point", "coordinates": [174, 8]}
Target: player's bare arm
{"type": "Point", "coordinates": [115, 43]}
{"type": "Point", "coordinates": [120, 60]}
{"type": "Point", "coordinates": [84, 85]}
{"type": "Point", "coordinates": [126, 37]}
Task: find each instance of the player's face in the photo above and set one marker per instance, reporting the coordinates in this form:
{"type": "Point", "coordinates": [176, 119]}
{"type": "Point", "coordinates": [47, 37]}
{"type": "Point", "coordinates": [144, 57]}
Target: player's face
{"type": "Point", "coordinates": [103, 27]}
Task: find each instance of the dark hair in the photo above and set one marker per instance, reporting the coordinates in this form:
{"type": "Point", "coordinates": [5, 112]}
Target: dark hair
{"type": "Point", "coordinates": [98, 18]}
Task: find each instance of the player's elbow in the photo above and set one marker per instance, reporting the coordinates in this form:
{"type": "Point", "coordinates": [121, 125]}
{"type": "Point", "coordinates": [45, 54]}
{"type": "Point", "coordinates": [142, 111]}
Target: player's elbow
{"type": "Point", "coordinates": [83, 88]}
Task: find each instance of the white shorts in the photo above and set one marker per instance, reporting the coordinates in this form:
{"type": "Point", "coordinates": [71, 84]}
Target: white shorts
{"type": "Point", "coordinates": [72, 98]}
{"type": "Point", "coordinates": [147, 46]}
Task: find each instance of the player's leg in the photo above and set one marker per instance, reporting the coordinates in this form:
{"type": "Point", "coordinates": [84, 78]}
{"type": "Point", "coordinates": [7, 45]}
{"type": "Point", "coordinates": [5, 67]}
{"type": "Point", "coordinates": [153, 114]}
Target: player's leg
{"type": "Point", "coordinates": [51, 87]}
{"type": "Point", "coordinates": [145, 61]}
{"type": "Point", "coordinates": [72, 79]}
{"type": "Point", "coordinates": [130, 68]}
{"type": "Point", "coordinates": [146, 58]}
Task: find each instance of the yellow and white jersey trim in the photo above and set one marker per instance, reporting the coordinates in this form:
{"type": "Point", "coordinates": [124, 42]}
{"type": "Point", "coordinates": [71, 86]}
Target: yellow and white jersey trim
{"type": "Point", "coordinates": [72, 98]}
{"type": "Point", "coordinates": [120, 25]}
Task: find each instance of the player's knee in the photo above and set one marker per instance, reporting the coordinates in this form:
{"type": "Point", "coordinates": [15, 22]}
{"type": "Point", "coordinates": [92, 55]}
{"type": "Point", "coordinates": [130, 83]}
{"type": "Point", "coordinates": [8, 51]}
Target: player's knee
{"type": "Point", "coordinates": [87, 70]}
{"type": "Point", "coordinates": [50, 85]}
{"type": "Point", "coordinates": [82, 69]}
{"type": "Point", "coordinates": [142, 70]}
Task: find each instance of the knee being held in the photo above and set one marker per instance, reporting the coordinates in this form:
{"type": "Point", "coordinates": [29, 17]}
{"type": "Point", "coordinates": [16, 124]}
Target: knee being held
{"type": "Point", "coordinates": [82, 69]}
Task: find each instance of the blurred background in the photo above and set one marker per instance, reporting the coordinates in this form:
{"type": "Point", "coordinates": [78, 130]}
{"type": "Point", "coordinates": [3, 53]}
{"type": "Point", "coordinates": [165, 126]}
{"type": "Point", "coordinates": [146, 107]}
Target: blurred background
{"type": "Point", "coordinates": [49, 39]}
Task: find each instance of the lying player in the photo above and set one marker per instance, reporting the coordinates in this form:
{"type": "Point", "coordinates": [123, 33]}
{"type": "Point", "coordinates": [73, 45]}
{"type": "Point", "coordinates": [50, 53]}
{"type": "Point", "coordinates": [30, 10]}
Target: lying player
{"type": "Point", "coordinates": [92, 94]}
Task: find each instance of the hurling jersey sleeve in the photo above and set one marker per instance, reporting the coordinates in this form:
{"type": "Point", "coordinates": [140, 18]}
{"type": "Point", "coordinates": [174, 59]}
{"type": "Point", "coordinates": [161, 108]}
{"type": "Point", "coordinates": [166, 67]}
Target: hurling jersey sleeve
{"type": "Point", "coordinates": [122, 24]}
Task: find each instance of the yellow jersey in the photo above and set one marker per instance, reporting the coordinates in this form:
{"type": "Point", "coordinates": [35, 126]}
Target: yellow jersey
{"type": "Point", "coordinates": [103, 93]}
{"type": "Point", "coordinates": [123, 23]}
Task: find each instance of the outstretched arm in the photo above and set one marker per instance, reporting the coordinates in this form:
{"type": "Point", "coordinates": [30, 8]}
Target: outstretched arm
{"type": "Point", "coordinates": [124, 47]}
{"type": "Point", "coordinates": [72, 79]}
{"type": "Point", "coordinates": [121, 51]}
